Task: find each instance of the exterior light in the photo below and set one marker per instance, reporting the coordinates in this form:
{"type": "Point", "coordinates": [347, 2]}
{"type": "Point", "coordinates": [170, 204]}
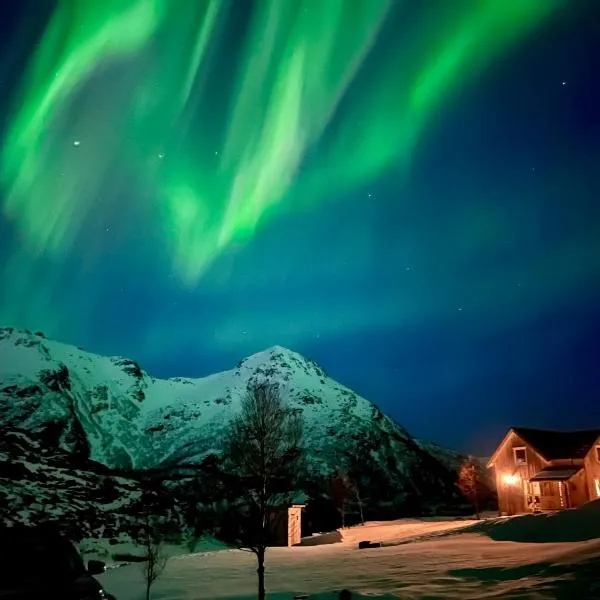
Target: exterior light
{"type": "Point", "coordinates": [510, 479]}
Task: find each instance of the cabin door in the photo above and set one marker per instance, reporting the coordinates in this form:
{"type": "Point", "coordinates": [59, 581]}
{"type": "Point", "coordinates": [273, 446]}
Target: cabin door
{"type": "Point", "coordinates": [294, 533]}
{"type": "Point", "coordinates": [535, 493]}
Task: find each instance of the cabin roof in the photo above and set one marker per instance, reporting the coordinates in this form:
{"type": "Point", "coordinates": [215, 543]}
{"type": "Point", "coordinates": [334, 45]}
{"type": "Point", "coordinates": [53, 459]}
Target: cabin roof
{"type": "Point", "coordinates": [555, 474]}
{"type": "Point", "coordinates": [554, 445]}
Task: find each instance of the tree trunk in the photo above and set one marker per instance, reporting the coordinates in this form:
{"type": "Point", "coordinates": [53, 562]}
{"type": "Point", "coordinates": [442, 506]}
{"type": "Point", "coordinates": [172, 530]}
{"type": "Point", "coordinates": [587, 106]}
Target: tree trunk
{"type": "Point", "coordinates": [260, 557]}
{"type": "Point", "coordinates": [476, 506]}
{"type": "Point", "coordinates": [360, 507]}
{"type": "Point", "coordinates": [148, 584]}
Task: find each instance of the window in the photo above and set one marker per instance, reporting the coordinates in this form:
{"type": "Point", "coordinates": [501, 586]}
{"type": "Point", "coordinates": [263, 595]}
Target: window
{"type": "Point", "coordinates": [597, 482]}
{"type": "Point", "coordinates": [598, 453]}
{"type": "Point", "coordinates": [520, 455]}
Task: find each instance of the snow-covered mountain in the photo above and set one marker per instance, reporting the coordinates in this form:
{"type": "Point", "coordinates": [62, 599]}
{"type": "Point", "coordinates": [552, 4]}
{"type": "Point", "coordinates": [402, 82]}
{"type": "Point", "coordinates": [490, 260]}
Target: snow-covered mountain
{"type": "Point", "coordinates": [109, 410]}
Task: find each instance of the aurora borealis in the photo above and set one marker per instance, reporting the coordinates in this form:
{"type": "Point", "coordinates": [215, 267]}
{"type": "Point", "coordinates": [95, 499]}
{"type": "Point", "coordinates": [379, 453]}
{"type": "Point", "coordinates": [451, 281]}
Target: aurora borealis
{"type": "Point", "coordinates": [404, 192]}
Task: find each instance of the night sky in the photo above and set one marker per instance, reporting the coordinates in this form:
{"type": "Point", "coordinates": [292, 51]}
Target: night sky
{"type": "Point", "coordinates": [406, 192]}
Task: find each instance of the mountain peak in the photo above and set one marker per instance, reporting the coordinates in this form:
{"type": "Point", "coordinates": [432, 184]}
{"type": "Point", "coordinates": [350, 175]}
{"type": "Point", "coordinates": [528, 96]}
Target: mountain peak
{"type": "Point", "coordinates": [278, 348]}
{"type": "Point", "coordinates": [269, 355]}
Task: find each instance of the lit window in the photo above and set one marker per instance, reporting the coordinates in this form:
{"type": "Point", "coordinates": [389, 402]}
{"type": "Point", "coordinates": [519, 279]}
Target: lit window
{"type": "Point", "coordinates": [597, 482]}
{"type": "Point", "coordinates": [520, 456]}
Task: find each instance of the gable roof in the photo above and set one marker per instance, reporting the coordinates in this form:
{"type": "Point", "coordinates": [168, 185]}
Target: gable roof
{"type": "Point", "coordinates": [554, 445]}
{"type": "Point", "coordinates": [510, 433]}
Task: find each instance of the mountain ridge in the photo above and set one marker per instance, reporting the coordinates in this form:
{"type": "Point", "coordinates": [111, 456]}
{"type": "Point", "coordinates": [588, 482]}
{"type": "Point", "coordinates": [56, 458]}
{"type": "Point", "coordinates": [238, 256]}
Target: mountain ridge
{"type": "Point", "coordinates": [109, 410]}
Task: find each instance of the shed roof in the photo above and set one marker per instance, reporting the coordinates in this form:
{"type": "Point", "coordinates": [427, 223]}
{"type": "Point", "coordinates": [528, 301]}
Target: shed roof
{"type": "Point", "coordinates": [555, 474]}
{"type": "Point", "coordinates": [553, 445]}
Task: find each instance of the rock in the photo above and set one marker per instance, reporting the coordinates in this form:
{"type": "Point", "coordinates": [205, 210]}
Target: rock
{"type": "Point", "coordinates": [367, 544]}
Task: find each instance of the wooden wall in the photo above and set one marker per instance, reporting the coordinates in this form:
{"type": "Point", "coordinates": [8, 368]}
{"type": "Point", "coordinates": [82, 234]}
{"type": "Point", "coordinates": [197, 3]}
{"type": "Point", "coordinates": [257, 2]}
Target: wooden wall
{"type": "Point", "coordinates": [592, 470]}
{"type": "Point", "coordinates": [512, 498]}
{"type": "Point", "coordinates": [553, 495]}
{"type": "Point", "coordinates": [578, 489]}
{"type": "Point", "coordinates": [294, 525]}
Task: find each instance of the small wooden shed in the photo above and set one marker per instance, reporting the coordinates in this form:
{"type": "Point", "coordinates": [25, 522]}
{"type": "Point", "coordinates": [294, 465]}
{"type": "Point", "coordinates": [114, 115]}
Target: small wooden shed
{"type": "Point", "coordinates": [286, 524]}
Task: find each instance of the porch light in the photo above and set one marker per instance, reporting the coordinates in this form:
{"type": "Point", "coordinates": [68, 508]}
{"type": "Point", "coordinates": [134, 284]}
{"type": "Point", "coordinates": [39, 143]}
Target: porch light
{"type": "Point", "coordinates": [509, 479]}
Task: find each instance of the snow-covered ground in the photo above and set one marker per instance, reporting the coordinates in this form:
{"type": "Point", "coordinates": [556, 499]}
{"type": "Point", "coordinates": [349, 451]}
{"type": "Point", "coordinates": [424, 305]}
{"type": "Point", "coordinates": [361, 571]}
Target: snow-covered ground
{"type": "Point", "coordinates": [448, 562]}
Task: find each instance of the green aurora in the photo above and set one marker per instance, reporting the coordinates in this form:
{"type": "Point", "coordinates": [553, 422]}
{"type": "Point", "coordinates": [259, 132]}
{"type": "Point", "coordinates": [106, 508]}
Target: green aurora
{"type": "Point", "coordinates": [215, 165]}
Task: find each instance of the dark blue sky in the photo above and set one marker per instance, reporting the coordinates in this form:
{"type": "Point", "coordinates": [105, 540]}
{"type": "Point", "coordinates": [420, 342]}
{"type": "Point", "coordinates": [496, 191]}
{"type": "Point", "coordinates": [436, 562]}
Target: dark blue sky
{"type": "Point", "coordinates": [460, 294]}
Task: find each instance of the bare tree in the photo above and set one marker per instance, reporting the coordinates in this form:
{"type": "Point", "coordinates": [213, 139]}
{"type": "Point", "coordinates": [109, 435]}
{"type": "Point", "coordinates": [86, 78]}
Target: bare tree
{"type": "Point", "coordinates": [263, 450]}
{"type": "Point", "coordinates": [154, 551]}
{"type": "Point", "coordinates": [359, 501]}
{"type": "Point", "coordinates": [469, 482]}
{"type": "Point", "coordinates": [344, 490]}
{"type": "Point", "coordinates": [356, 463]}
{"type": "Point", "coordinates": [340, 492]}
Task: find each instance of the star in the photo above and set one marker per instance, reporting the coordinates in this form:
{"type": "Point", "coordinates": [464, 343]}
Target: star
{"type": "Point", "coordinates": [76, 143]}
{"type": "Point", "coordinates": [161, 155]}
{"type": "Point", "coordinates": [460, 309]}
{"type": "Point", "coordinates": [564, 83]}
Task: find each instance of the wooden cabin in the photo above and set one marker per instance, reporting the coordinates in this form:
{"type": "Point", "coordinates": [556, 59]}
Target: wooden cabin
{"type": "Point", "coordinates": [286, 525]}
{"type": "Point", "coordinates": [541, 470]}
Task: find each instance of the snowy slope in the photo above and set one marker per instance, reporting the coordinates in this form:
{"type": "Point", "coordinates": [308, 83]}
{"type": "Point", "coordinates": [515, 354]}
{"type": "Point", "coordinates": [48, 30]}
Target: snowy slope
{"type": "Point", "coordinates": [110, 410]}
{"type": "Point", "coordinates": [91, 403]}
{"type": "Point", "coordinates": [50, 484]}
{"type": "Point", "coordinates": [191, 425]}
